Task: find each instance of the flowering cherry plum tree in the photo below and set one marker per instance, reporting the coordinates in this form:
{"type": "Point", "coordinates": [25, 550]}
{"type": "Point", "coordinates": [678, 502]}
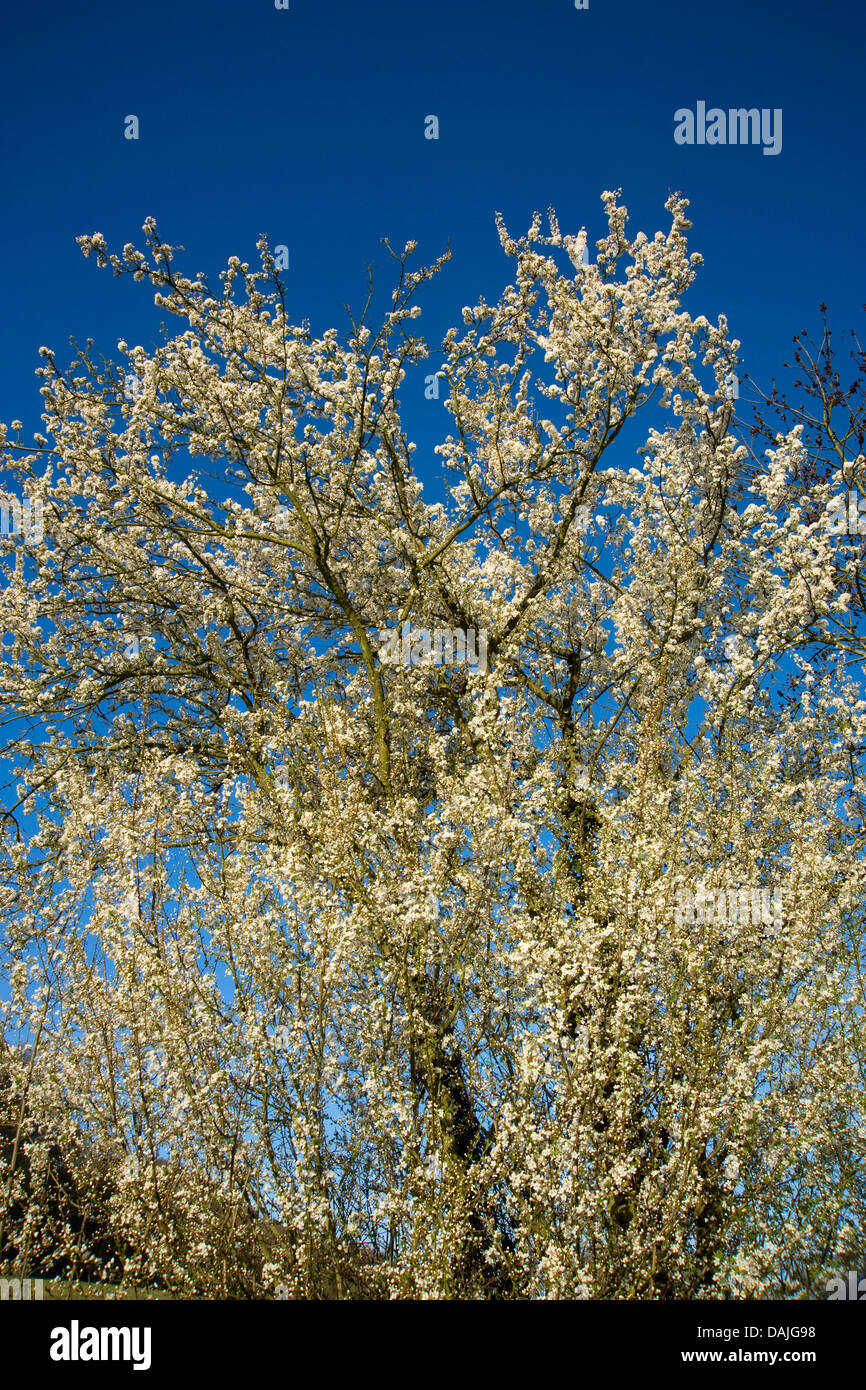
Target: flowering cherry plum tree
{"type": "Point", "coordinates": [367, 978]}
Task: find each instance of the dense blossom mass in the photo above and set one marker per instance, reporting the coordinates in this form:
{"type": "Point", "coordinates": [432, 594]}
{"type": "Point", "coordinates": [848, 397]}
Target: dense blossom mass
{"type": "Point", "coordinates": [348, 976]}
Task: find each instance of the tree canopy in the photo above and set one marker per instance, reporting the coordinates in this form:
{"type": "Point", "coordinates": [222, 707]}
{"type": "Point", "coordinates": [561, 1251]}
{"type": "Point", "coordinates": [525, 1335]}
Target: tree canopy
{"type": "Point", "coordinates": [371, 969]}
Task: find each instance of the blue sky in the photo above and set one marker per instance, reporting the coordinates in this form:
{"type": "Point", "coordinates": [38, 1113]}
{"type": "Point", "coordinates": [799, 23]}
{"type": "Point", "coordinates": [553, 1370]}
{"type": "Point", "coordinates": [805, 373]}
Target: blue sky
{"type": "Point", "coordinates": [308, 124]}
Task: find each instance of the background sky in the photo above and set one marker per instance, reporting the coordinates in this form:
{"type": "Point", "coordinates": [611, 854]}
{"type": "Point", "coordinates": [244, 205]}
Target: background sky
{"type": "Point", "coordinates": [308, 124]}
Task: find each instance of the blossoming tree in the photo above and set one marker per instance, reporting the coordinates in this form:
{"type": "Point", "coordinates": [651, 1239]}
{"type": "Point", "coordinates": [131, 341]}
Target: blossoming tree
{"type": "Point", "coordinates": [367, 978]}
